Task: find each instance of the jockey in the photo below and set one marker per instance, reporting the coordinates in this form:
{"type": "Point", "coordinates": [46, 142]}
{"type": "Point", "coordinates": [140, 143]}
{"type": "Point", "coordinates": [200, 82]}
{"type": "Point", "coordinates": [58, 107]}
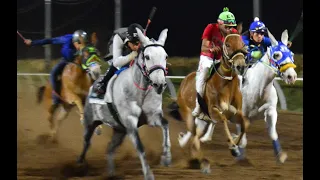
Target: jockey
{"type": "Point", "coordinates": [70, 45]}
{"type": "Point", "coordinates": [124, 49]}
{"type": "Point", "coordinates": [212, 38]}
{"type": "Point", "coordinates": [256, 42]}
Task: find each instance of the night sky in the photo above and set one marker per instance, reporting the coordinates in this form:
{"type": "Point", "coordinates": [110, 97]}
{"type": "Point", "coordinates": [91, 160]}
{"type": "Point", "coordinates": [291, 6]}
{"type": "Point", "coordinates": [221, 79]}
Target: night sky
{"type": "Point", "coordinates": [185, 19]}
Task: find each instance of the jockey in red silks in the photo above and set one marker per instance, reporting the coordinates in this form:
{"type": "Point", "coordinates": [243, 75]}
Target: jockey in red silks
{"type": "Point", "coordinates": [212, 39]}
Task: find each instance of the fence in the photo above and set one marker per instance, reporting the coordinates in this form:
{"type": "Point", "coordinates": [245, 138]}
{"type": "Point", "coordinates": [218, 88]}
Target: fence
{"type": "Point", "coordinates": [172, 89]}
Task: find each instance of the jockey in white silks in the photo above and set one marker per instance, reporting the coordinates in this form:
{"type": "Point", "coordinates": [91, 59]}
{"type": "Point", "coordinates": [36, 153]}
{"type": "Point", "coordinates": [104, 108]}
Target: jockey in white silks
{"type": "Point", "coordinates": [124, 49]}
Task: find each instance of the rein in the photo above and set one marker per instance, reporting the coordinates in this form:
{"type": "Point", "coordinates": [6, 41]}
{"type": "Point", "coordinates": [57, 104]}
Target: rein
{"type": "Point", "coordinates": [273, 66]}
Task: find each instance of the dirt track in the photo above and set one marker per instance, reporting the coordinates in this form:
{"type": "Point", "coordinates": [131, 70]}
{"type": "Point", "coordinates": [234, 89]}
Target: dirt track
{"type": "Point", "coordinates": [41, 160]}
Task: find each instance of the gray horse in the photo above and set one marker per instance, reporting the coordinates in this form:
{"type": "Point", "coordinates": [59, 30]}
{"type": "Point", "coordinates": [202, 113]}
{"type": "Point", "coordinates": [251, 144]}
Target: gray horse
{"type": "Point", "coordinates": [133, 99]}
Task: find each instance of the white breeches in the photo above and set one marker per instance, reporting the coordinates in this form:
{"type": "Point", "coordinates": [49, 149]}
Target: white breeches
{"type": "Point", "coordinates": [202, 73]}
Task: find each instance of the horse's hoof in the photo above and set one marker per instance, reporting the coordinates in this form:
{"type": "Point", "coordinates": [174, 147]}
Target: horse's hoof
{"type": "Point", "coordinates": [282, 157]}
{"type": "Point", "coordinates": [111, 173]}
{"type": "Point", "coordinates": [184, 138]}
{"type": "Point", "coordinates": [235, 151]}
{"type": "Point", "coordinates": [149, 176]}
{"type": "Point", "coordinates": [242, 154]}
{"type": "Point", "coordinates": [234, 136]}
{"type": "Point", "coordinates": [205, 167]}
{"type": "Point", "coordinates": [80, 161]}
{"type": "Point", "coordinates": [98, 131]}
{"type": "Point", "coordinates": [165, 160]}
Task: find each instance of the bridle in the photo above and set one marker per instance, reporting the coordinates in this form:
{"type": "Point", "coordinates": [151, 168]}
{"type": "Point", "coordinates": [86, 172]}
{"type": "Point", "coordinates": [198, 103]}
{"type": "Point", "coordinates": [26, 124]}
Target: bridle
{"type": "Point", "coordinates": [146, 71]}
{"type": "Point", "coordinates": [226, 58]}
{"type": "Point", "coordinates": [275, 64]}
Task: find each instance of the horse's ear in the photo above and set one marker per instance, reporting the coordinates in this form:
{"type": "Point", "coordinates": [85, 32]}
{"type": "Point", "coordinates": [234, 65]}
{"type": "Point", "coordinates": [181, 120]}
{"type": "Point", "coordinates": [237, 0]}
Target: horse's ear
{"type": "Point", "coordinates": [239, 28]}
{"type": "Point", "coordinates": [94, 39]}
{"type": "Point", "coordinates": [273, 40]}
{"type": "Point", "coordinates": [284, 37]}
{"type": "Point", "coordinates": [144, 39]}
{"type": "Point", "coordinates": [163, 36]}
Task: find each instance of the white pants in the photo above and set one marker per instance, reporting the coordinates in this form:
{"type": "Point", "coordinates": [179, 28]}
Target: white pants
{"type": "Point", "coordinates": [203, 69]}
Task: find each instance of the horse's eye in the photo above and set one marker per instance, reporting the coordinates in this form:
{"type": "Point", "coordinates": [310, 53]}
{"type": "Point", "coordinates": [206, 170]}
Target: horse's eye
{"type": "Point", "coordinates": [166, 57]}
{"type": "Point", "coordinates": [277, 55]}
{"type": "Point", "coordinates": [147, 57]}
{"type": "Point", "coordinates": [228, 45]}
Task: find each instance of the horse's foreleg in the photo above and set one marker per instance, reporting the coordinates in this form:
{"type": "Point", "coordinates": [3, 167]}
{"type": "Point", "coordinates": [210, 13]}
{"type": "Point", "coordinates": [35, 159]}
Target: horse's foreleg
{"type": "Point", "coordinates": [197, 154]}
{"type": "Point", "coordinates": [134, 136]}
{"type": "Point", "coordinates": [243, 142]}
{"type": "Point", "coordinates": [215, 113]}
{"type": "Point", "coordinates": [116, 141]}
{"type": "Point", "coordinates": [62, 115]}
{"type": "Point", "coordinates": [244, 125]}
{"type": "Point", "coordinates": [166, 154]}
{"type": "Point", "coordinates": [271, 117]}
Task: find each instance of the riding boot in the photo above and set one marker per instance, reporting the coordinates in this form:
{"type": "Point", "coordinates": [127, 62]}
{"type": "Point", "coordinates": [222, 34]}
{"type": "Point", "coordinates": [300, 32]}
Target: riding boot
{"type": "Point", "coordinates": [200, 87]}
{"type": "Point", "coordinates": [101, 86]}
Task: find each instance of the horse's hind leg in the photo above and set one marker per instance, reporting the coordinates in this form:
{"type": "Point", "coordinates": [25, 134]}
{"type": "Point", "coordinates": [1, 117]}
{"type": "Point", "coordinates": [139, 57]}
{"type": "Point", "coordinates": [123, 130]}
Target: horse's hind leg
{"type": "Point", "coordinates": [134, 136]}
{"type": "Point", "coordinates": [51, 118]}
{"type": "Point", "coordinates": [88, 132]}
{"type": "Point", "coordinates": [116, 141]}
{"type": "Point", "coordinates": [186, 114]}
{"type": "Point", "coordinates": [196, 153]}
{"type": "Point", "coordinates": [271, 117]}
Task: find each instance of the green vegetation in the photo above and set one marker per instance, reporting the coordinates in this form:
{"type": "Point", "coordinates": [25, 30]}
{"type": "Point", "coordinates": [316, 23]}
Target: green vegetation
{"type": "Point", "coordinates": [181, 66]}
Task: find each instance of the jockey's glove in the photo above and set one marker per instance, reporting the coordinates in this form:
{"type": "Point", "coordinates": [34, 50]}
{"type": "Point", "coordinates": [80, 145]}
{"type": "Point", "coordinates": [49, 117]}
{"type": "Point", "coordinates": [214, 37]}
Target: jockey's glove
{"type": "Point", "coordinates": [132, 55]}
{"type": "Point", "coordinates": [256, 54]}
{"type": "Point", "coordinates": [123, 60]}
{"type": "Point", "coordinates": [215, 49]}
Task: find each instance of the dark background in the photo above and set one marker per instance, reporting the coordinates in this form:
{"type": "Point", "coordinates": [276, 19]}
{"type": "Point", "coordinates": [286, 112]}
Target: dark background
{"type": "Point", "coordinates": [185, 20]}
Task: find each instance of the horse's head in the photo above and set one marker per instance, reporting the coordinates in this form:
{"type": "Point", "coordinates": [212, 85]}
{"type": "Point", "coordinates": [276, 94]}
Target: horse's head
{"type": "Point", "coordinates": [90, 55]}
{"type": "Point", "coordinates": [234, 52]}
{"type": "Point", "coordinates": [282, 58]}
{"type": "Point", "coordinates": [153, 60]}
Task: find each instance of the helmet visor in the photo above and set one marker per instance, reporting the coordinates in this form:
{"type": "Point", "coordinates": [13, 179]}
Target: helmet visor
{"type": "Point", "coordinates": [230, 22]}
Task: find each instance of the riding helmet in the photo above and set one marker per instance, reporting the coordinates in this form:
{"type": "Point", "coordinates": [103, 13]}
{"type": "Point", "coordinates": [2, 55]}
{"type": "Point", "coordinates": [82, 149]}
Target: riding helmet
{"type": "Point", "coordinates": [257, 26]}
{"type": "Point", "coordinates": [227, 18]}
{"type": "Point", "coordinates": [77, 34]}
{"type": "Point", "coordinates": [132, 34]}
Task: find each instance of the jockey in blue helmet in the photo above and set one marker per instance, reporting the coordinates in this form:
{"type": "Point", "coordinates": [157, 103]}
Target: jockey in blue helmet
{"type": "Point", "coordinates": [256, 42]}
{"type": "Point", "coordinates": [70, 45]}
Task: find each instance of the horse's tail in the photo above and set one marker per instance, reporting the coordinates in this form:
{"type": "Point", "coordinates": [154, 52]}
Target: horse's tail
{"type": "Point", "coordinates": [174, 111]}
{"type": "Point", "coordinates": [40, 94]}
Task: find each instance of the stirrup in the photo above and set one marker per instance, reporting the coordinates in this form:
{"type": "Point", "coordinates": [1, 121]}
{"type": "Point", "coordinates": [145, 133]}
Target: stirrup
{"type": "Point", "coordinates": [203, 116]}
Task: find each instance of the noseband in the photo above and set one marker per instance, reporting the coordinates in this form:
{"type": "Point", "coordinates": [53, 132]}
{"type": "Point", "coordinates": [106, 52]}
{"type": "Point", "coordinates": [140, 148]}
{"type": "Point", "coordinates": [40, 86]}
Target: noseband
{"type": "Point", "coordinates": [144, 69]}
